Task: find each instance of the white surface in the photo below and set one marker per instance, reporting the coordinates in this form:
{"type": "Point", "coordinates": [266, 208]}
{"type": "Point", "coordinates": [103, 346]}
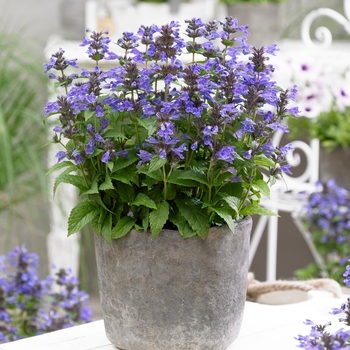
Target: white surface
{"type": "Point", "coordinates": [271, 327]}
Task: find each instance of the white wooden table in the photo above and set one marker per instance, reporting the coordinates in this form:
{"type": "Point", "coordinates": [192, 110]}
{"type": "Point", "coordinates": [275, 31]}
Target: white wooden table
{"type": "Point", "coordinates": [270, 327]}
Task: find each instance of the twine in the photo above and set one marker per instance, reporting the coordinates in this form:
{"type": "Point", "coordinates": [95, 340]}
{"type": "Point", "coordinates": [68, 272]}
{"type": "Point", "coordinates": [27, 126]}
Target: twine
{"type": "Point", "coordinates": [257, 288]}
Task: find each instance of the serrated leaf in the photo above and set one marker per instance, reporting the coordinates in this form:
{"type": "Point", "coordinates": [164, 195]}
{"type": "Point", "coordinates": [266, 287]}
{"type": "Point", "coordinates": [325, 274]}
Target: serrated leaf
{"type": "Point", "coordinates": [75, 180]}
{"type": "Point", "coordinates": [83, 213]}
{"type": "Point", "coordinates": [149, 123]}
{"type": "Point", "coordinates": [262, 187]}
{"type": "Point", "coordinates": [106, 228]}
{"type": "Point", "coordinates": [158, 218]}
{"type": "Point", "coordinates": [262, 160]}
{"type": "Point", "coordinates": [153, 175]}
{"type": "Point", "coordinates": [194, 214]}
{"type": "Point", "coordinates": [187, 178]}
{"type": "Point", "coordinates": [123, 226]}
{"type": "Point", "coordinates": [62, 165]}
{"type": "Point", "coordinates": [93, 189]}
{"type": "Point", "coordinates": [122, 162]}
{"type": "Point", "coordinates": [156, 163]}
{"type": "Point", "coordinates": [182, 225]}
{"type": "Point", "coordinates": [233, 202]}
{"type": "Point", "coordinates": [225, 214]}
{"type": "Point", "coordinates": [143, 199]}
{"type": "Point", "coordinates": [107, 184]}
{"type": "Point", "coordinates": [126, 193]}
{"type": "Point", "coordinates": [257, 209]}
{"type": "Point", "coordinates": [145, 218]}
{"type": "Point", "coordinates": [121, 178]}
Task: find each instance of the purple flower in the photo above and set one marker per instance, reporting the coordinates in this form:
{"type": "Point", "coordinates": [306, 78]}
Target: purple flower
{"type": "Point", "coordinates": [61, 155]}
{"type": "Point", "coordinates": [144, 156]}
{"type": "Point", "coordinates": [179, 150]}
{"type": "Point", "coordinates": [226, 154]}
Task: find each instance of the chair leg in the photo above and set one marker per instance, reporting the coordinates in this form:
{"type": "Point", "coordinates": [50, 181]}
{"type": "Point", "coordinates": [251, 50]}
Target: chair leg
{"type": "Point", "coordinates": [271, 255]}
{"type": "Point", "coordinates": [256, 238]}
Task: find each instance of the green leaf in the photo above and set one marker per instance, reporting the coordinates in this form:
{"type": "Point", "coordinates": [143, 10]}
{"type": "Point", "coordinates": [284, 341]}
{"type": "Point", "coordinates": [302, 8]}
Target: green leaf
{"type": "Point", "coordinates": [123, 226]}
{"type": "Point", "coordinates": [225, 214]}
{"type": "Point", "coordinates": [149, 123]}
{"type": "Point", "coordinates": [126, 193]}
{"type": "Point", "coordinates": [107, 184]}
{"type": "Point", "coordinates": [145, 218]}
{"type": "Point", "coordinates": [156, 163]}
{"type": "Point", "coordinates": [83, 213]}
{"type": "Point", "coordinates": [106, 227]}
{"type": "Point", "coordinates": [158, 218]}
{"type": "Point", "coordinates": [262, 160]}
{"type": "Point", "coordinates": [192, 211]}
{"type": "Point", "coordinates": [189, 178]}
{"type": "Point", "coordinates": [262, 186]}
{"type": "Point", "coordinates": [153, 175]}
{"type": "Point", "coordinates": [93, 189]}
{"type": "Point", "coordinates": [142, 199]}
{"type": "Point", "coordinates": [122, 178]}
{"type": "Point", "coordinates": [123, 162]}
{"type": "Point", "coordinates": [62, 165]}
{"type": "Point", "coordinates": [257, 209]}
{"type": "Point", "coordinates": [75, 180]}
{"type": "Point", "coordinates": [182, 225]}
{"type": "Point", "coordinates": [233, 202]}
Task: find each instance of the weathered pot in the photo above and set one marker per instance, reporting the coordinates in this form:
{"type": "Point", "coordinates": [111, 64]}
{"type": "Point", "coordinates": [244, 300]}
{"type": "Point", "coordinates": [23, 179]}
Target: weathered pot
{"type": "Point", "coordinates": [174, 294]}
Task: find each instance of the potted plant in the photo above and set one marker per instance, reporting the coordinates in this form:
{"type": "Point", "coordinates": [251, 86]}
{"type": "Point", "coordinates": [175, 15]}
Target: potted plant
{"type": "Point", "coordinates": [252, 11]}
{"type": "Point", "coordinates": [325, 217]}
{"type": "Point", "coordinates": [167, 149]}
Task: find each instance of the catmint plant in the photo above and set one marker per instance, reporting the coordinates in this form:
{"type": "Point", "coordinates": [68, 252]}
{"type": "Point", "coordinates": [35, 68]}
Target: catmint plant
{"type": "Point", "coordinates": [319, 338]}
{"type": "Point", "coordinates": [326, 215]}
{"type": "Point", "coordinates": [173, 134]}
{"type": "Point", "coordinates": [30, 306]}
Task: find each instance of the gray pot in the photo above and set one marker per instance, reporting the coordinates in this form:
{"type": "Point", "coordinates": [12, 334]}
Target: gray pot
{"type": "Point", "coordinates": [174, 294]}
{"type": "Point", "coordinates": [265, 21]}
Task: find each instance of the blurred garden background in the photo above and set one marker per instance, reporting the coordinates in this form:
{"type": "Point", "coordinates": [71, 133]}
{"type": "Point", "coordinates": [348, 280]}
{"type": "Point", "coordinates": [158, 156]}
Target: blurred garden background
{"type": "Point", "coordinates": [28, 27]}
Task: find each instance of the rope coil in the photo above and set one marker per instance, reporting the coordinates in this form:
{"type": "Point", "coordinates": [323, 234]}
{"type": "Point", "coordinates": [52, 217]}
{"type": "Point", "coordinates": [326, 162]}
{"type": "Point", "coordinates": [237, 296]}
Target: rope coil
{"type": "Point", "coordinates": [257, 288]}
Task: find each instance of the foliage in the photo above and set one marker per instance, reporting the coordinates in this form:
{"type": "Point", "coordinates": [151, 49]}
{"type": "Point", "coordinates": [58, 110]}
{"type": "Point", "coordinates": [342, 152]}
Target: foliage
{"type": "Point", "coordinates": [322, 339]}
{"type": "Point", "coordinates": [30, 306]}
{"type": "Point", "coordinates": [327, 217]}
{"type": "Point", "coordinates": [168, 144]}
{"type": "Point", "coordinates": [22, 132]}
{"type": "Point", "coordinates": [331, 128]}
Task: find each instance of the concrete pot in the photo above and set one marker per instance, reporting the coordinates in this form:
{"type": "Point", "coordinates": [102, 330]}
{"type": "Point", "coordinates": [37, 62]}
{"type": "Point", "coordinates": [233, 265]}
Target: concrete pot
{"type": "Point", "coordinates": [174, 294]}
{"type": "Point", "coordinates": [265, 21]}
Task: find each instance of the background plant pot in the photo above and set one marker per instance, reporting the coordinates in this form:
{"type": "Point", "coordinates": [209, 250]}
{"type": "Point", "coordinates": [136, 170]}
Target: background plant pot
{"type": "Point", "coordinates": [174, 294]}
{"type": "Point", "coordinates": [265, 21]}
{"type": "Point", "coordinates": [335, 165]}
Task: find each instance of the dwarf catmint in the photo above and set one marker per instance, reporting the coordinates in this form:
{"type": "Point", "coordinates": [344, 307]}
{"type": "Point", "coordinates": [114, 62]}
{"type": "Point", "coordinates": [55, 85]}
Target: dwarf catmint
{"type": "Point", "coordinates": [155, 133]}
{"type": "Point", "coordinates": [326, 215]}
{"type": "Point", "coordinates": [29, 306]}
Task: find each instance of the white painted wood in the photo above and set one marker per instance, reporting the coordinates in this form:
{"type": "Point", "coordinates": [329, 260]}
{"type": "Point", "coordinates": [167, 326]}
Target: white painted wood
{"type": "Point", "coordinates": [270, 327]}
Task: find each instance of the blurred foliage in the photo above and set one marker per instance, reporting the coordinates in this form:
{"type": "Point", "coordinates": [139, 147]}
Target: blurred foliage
{"type": "Point", "coordinates": [22, 133]}
{"type": "Point", "coordinates": [331, 128]}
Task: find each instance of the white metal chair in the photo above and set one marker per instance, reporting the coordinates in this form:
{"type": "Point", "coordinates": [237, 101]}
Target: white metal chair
{"type": "Point", "coordinates": [286, 199]}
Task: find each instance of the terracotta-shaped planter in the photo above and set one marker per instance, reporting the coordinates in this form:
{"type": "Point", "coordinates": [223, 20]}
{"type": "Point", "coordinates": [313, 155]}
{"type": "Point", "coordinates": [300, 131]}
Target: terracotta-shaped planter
{"type": "Point", "coordinates": [174, 294]}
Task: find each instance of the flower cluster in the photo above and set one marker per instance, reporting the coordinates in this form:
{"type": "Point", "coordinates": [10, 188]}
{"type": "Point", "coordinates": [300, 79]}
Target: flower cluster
{"type": "Point", "coordinates": [29, 306]}
{"type": "Point", "coordinates": [326, 215]}
{"type": "Point", "coordinates": [319, 338]}
{"type": "Point", "coordinates": [175, 134]}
